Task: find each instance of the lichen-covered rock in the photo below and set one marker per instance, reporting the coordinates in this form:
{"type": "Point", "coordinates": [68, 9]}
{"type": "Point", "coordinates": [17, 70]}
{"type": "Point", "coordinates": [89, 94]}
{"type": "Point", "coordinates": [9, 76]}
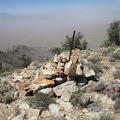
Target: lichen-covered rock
{"type": "Point", "coordinates": [67, 86]}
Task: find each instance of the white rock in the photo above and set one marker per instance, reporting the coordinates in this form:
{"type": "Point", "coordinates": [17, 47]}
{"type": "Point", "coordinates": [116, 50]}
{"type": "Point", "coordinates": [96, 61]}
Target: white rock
{"type": "Point", "coordinates": [34, 112]}
{"type": "Point", "coordinates": [24, 106]}
{"type": "Point", "coordinates": [19, 117]}
{"type": "Point", "coordinates": [17, 78]}
{"type": "Point", "coordinates": [66, 96]}
{"type": "Point", "coordinates": [78, 70]}
{"type": "Point", "coordinates": [67, 86]}
{"type": "Point", "coordinates": [45, 114]}
{"type": "Point", "coordinates": [90, 73]}
{"type": "Point", "coordinates": [33, 118]}
{"type": "Point", "coordinates": [54, 108]}
{"type": "Point", "coordinates": [49, 73]}
{"type": "Point", "coordinates": [46, 91]}
{"type": "Point", "coordinates": [84, 111]}
{"type": "Point", "coordinates": [66, 105]}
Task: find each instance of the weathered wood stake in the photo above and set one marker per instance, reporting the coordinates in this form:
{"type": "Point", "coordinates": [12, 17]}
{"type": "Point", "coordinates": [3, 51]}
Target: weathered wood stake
{"type": "Point", "coordinates": [71, 44]}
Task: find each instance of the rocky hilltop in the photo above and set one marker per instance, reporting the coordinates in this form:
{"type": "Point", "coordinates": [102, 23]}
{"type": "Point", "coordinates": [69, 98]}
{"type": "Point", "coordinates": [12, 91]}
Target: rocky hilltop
{"type": "Point", "coordinates": [12, 54]}
{"type": "Point", "coordinates": [85, 88]}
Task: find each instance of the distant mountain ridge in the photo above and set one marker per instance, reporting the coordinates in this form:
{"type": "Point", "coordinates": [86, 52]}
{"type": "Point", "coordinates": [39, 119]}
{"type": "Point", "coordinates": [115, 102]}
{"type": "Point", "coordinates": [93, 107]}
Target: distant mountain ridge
{"type": "Point", "coordinates": [12, 54]}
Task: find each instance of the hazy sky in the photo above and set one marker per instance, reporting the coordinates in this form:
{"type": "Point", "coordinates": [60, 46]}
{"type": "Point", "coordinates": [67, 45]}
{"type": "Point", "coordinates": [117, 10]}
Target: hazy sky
{"type": "Point", "coordinates": [47, 22]}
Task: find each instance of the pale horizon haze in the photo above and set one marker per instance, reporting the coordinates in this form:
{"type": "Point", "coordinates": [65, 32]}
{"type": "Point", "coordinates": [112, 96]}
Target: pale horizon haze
{"type": "Point", "coordinates": [45, 23]}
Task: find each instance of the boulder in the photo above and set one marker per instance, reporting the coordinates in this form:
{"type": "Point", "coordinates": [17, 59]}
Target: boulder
{"type": "Point", "coordinates": [67, 67]}
{"type": "Point", "coordinates": [67, 86]}
{"type": "Point", "coordinates": [24, 106]}
{"type": "Point", "coordinates": [43, 82]}
{"type": "Point", "coordinates": [58, 118]}
{"type": "Point", "coordinates": [76, 51]}
{"type": "Point", "coordinates": [66, 96]}
{"type": "Point", "coordinates": [48, 91]}
{"type": "Point", "coordinates": [57, 58]}
{"type": "Point", "coordinates": [70, 68]}
{"type": "Point", "coordinates": [19, 117]}
{"type": "Point", "coordinates": [90, 87]}
{"type": "Point", "coordinates": [49, 73]}
{"type": "Point", "coordinates": [33, 118]}
{"type": "Point", "coordinates": [60, 66]}
{"type": "Point", "coordinates": [74, 59]}
{"type": "Point", "coordinates": [51, 65]}
{"type": "Point", "coordinates": [68, 107]}
{"type": "Point", "coordinates": [90, 73]}
{"type": "Point", "coordinates": [27, 75]}
{"type": "Point", "coordinates": [54, 108]}
{"type": "Point", "coordinates": [45, 114]}
{"type": "Point", "coordinates": [34, 112]}
{"type": "Point", "coordinates": [34, 87]}
{"type": "Point", "coordinates": [64, 57]}
{"type": "Point", "coordinates": [79, 70]}
{"type": "Point", "coordinates": [17, 78]}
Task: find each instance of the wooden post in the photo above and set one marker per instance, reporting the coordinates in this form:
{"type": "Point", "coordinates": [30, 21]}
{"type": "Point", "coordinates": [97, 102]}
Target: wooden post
{"type": "Point", "coordinates": [71, 44]}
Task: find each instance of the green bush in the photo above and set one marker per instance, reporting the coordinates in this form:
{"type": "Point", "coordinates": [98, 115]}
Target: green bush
{"type": "Point", "coordinates": [56, 50]}
{"type": "Point", "coordinates": [97, 68]}
{"type": "Point", "coordinates": [94, 59]}
{"type": "Point", "coordinates": [113, 34]}
{"type": "Point", "coordinates": [79, 42]}
{"type": "Point", "coordinates": [100, 87]}
{"type": "Point", "coordinates": [6, 92]}
{"type": "Point", "coordinates": [104, 116]}
{"type": "Point", "coordinates": [40, 101]}
{"type": "Point", "coordinates": [115, 56]}
{"type": "Point", "coordinates": [25, 60]}
{"type": "Point", "coordinates": [117, 105]}
{"type": "Point", "coordinates": [116, 74]}
{"type": "Point", "coordinates": [8, 98]}
{"type": "Point", "coordinates": [78, 100]}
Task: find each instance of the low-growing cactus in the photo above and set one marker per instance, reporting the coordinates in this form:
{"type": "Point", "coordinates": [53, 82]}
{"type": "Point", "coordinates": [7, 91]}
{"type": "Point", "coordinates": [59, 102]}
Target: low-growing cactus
{"type": "Point", "coordinates": [113, 91]}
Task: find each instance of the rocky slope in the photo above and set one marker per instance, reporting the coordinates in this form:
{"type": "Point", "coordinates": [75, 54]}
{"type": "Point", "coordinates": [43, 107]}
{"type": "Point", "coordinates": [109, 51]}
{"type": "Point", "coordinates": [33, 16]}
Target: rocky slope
{"type": "Point", "coordinates": [85, 88]}
{"type": "Point", "coordinates": [12, 54]}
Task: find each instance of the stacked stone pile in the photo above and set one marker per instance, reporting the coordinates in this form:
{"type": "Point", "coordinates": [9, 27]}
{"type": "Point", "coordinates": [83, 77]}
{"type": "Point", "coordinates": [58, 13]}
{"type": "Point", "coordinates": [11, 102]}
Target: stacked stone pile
{"type": "Point", "coordinates": [60, 78]}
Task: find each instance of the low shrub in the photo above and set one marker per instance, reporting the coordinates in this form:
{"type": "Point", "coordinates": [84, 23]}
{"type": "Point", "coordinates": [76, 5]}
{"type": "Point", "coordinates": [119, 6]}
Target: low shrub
{"type": "Point", "coordinates": [94, 59]}
{"type": "Point", "coordinates": [115, 56]}
{"type": "Point", "coordinates": [104, 116]}
{"type": "Point", "coordinates": [117, 105]}
{"type": "Point", "coordinates": [97, 68]}
{"type": "Point", "coordinates": [78, 99]}
{"type": "Point", "coordinates": [6, 92]}
{"type": "Point", "coordinates": [116, 74]}
{"type": "Point", "coordinates": [100, 87]}
{"type": "Point", "coordinates": [40, 101]}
